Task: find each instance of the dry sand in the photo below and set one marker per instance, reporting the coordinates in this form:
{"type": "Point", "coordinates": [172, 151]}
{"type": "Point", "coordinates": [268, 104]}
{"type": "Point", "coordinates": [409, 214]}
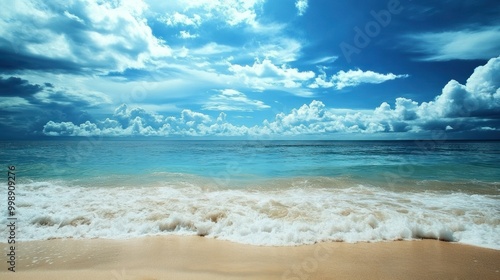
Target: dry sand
{"type": "Point", "coordinates": [174, 257]}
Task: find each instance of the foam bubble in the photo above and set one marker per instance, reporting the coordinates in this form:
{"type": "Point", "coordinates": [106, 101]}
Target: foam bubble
{"type": "Point", "coordinates": [301, 214]}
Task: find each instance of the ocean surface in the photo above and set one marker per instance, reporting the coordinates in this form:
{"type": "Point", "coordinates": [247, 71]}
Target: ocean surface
{"type": "Point", "coordinates": [273, 193]}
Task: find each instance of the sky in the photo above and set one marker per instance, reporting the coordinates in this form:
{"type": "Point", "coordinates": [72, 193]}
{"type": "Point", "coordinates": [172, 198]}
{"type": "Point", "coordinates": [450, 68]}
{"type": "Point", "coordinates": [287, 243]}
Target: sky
{"type": "Point", "coordinates": [250, 69]}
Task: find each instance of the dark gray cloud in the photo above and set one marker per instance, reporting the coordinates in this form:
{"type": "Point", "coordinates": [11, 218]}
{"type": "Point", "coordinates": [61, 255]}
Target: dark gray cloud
{"type": "Point", "coordinates": [14, 86]}
{"type": "Point", "coordinates": [26, 107]}
{"type": "Point", "coordinates": [28, 121]}
{"type": "Point", "coordinates": [12, 61]}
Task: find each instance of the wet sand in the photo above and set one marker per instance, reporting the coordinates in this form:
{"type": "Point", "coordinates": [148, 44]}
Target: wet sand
{"type": "Point", "coordinates": [176, 257]}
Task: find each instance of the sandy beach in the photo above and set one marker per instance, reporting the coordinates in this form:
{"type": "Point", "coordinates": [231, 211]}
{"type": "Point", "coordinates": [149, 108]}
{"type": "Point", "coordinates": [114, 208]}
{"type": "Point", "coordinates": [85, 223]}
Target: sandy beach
{"type": "Point", "coordinates": [174, 257]}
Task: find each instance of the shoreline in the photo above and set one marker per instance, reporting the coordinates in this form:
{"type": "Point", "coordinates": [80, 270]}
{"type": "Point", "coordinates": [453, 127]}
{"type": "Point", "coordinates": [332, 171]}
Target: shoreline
{"type": "Point", "coordinates": [193, 257]}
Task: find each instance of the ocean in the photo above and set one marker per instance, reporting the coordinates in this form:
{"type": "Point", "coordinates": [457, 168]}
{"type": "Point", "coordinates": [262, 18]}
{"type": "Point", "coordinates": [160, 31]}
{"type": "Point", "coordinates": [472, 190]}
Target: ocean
{"type": "Point", "coordinates": [270, 193]}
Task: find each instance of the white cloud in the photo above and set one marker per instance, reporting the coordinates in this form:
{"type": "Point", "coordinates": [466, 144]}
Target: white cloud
{"type": "Point", "coordinates": [352, 78]}
{"type": "Point", "coordinates": [233, 100]}
{"type": "Point", "coordinates": [101, 38]}
{"type": "Point", "coordinates": [138, 122]}
{"type": "Point", "coordinates": [212, 48]}
{"type": "Point", "coordinates": [125, 116]}
{"type": "Point", "coordinates": [69, 129]}
{"type": "Point", "coordinates": [82, 35]}
{"type": "Point", "coordinates": [234, 11]}
{"type": "Point", "coordinates": [463, 44]}
{"type": "Point", "coordinates": [195, 13]}
{"type": "Point", "coordinates": [264, 75]}
{"type": "Point", "coordinates": [325, 59]}
{"type": "Point", "coordinates": [73, 17]}
{"type": "Point", "coordinates": [480, 96]}
{"type": "Point", "coordinates": [486, 80]}
{"type": "Point", "coordinates": [186, 35]}
{"type": "Point", "coordinates": [280, 50]}
{"type": "Point", "coordinates": [470, 107]}
{"type": "Point", "coordinates": [459, 107]}
{"type": "Point", "coordinates": [321, 80]}
{"type": "Point", "coordinates": [181, 19]}
{"type": "Point", "coordinates": [487, 128]}
{"type": "Point", "coordinates": [301, 6]}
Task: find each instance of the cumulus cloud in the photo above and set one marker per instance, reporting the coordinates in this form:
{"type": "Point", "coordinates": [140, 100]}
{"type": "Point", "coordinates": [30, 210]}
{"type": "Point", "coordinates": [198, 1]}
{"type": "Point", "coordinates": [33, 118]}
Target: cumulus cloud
{"type": "Point", "coordinates": [233, 100]}
{"type": "Point", "coordinates": [458, 108]}
{"type": "Point", "coordinates": [69, 129]}
{"type": "Point", "coordinates": [138, 122]}
{"type": "Point", "coordinates": [479, 97]}
{"type": "Point", "coordinates": [352, 78]}
{"type": "Point", "coordinates": [462, 44]}
{"type": "Point", "coordinates": [301, 6]}
{"type": "Point", "coordinates": [474, 106]}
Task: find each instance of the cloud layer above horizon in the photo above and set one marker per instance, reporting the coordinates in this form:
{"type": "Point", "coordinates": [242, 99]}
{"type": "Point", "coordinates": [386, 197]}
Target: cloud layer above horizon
{"type": "Point", "coordinates": [250, 68]}
{"type": "Point", "coordinates": [458, 107]}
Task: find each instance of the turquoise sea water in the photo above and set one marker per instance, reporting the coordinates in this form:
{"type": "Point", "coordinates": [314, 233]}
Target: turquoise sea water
{"type": "Point", "coordinates": [258, 192]}
{"type": "Point", "coordinates": [418, 160]}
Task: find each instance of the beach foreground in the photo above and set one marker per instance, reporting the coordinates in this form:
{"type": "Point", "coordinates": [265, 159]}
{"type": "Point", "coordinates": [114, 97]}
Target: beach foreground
{"type": "Point", "coordinates": [174, 257]}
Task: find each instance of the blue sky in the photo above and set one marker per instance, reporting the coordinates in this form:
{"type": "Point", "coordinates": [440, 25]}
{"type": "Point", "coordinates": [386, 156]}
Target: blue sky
{"type": "Point", "coordinates": [275, 69]}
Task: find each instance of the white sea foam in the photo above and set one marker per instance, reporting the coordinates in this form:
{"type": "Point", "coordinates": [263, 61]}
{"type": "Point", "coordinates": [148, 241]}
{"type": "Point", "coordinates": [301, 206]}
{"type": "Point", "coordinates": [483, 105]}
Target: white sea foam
{"type": "Point", "coordinates": [275, 216]}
